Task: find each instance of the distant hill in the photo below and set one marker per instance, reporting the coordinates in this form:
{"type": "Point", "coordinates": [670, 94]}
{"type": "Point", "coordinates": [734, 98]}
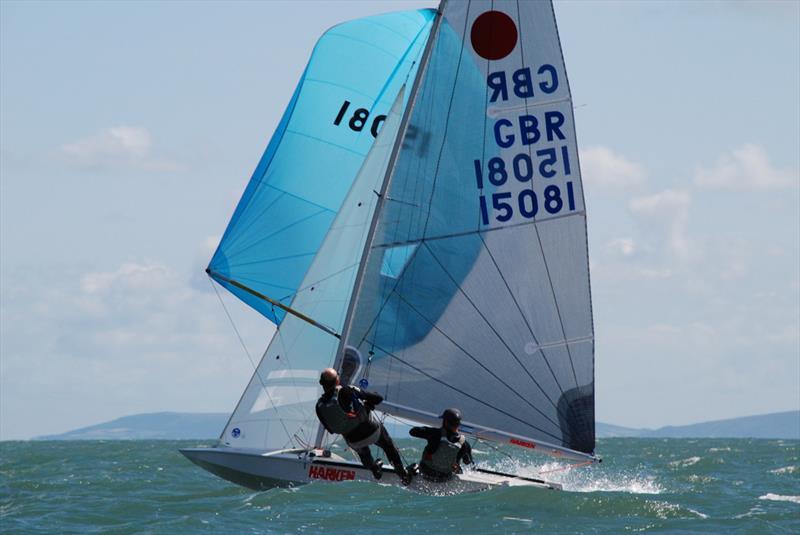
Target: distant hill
{"type": "Point", "coordinates": [775, 425]}
{"type": "Point", "coordinates": [180, 425]}
{"type": "Point", "coordinates": [158, 425]}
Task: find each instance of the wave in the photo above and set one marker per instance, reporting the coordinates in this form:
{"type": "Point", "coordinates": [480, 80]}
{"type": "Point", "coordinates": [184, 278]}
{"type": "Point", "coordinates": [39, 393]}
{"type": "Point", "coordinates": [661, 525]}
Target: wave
{"type": "Point", "coordinates": [786, 470]}
{"type": "Point", "coordinates": [586, 479]}
{"type": "Point", "coordinates": [683, 463]}
{"type": "Point", "coordinates": [780, 498]}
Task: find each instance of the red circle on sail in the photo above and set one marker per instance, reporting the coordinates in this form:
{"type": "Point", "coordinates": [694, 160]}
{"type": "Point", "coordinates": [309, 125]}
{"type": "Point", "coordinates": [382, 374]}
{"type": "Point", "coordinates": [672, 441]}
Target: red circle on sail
{"type": "Point", "coordinates": [494, 35]}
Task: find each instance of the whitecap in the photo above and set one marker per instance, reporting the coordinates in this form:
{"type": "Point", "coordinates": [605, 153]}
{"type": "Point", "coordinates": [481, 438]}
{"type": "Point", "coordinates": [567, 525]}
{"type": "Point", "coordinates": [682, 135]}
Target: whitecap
{"type": "Point", "coordinates": [785, 470]}
{"type": "Point", "coordinates": [683, 463]}
{"type": "Point", "coordinates": [698, 513]}
{"type": "Point", "coordinates": [780, 498]}
{"type": "Point", "coordinates": [585, 479]}
{"type": "Point", "coordinates": [524, 520]}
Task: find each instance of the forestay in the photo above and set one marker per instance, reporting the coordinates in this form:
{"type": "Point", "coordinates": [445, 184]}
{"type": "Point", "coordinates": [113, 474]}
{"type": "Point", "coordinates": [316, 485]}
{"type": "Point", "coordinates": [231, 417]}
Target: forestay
{"type": "Point", "coordinates": [337, 109]}
{"type": "Point", "coordinates": [475, 291]}
{"type": "Point", "coordinates": [277, 408]}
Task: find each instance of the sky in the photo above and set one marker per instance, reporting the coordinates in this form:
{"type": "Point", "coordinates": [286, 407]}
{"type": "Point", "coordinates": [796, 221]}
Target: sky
{"type": "Point", "coordinates": [128, 131]}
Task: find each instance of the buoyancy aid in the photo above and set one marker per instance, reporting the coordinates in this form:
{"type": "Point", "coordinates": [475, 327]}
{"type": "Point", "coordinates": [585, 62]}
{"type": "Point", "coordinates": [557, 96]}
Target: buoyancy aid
{"type": "Point", "coordinates": [337, 419]}
{"type": "Point", "coordinates": [445, 457]}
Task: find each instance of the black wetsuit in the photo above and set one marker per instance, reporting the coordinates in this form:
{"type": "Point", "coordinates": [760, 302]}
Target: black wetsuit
{"type": "Point", "coordinates": [349, 397]}
{"type": "Point", "coordinates": [433, 435]}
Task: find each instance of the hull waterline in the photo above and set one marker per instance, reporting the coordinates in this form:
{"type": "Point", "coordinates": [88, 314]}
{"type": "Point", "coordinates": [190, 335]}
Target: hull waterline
{"type": "Point", "coordinates": [290, 468]}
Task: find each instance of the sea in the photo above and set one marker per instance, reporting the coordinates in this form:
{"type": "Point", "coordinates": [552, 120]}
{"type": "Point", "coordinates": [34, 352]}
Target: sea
{"type": "Point", "coordinates": [642, 485]}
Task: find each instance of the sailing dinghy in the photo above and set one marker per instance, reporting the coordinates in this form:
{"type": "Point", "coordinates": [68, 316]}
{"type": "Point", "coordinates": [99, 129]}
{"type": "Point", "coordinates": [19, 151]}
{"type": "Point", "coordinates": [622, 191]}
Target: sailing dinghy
{"type": "Point", "coordinates": [417, 222]}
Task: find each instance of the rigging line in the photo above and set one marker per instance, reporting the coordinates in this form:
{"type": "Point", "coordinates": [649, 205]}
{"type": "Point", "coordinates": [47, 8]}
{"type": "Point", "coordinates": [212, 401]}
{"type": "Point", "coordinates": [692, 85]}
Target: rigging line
{"type": "Point", "coordinates": [447, 122]}
{"type": "Point", "coordinates": [568, 467]}
{"type": "Point", "coordinates": [495, 448]}
{"type": "Point", "coordinates": [539, 237]}
{"type": "Point", "coordinates": [489, 324]}
{"type": "Point", "coordinates": [470, 396]}
{"type": "Point", "coordinates": [472, 357]}
{"type": "Point", "coordinates": [250, 358]}
{"type": "Point", "coordinates": [285, 352]}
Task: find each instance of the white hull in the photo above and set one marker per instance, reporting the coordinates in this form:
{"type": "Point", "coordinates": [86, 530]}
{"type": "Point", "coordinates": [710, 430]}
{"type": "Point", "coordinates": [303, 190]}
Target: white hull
{"type": "Point", "coordinates": [288, 468]}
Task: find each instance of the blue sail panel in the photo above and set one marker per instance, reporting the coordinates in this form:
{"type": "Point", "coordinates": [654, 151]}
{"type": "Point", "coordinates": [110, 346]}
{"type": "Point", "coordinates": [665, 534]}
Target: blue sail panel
{"type": "Point", "coordinates": [355, 72]}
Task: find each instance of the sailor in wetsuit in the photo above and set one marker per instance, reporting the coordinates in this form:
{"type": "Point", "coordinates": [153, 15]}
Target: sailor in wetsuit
{"type": "Point", "coordinates": [446, 448]}
{"type": "Point", "coordinates": [347, 410]}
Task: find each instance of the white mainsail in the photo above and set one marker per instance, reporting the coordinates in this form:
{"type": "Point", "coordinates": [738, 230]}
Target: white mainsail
{"type": "Point", "coordinates": [487, 303]}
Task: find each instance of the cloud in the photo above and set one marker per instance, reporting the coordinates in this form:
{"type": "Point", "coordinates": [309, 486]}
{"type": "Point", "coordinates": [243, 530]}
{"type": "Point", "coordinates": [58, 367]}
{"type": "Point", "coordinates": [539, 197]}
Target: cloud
{"type": "Point", "coordinates": [118, 146]}
{"type": "Point", "coordinates": [603, 167]}
{"type": "Point", "coordinates": [669, 210]}
{"type": "Point", "coordinates": [745, 168]}
{"type": "Point", "coordinates": [129, 276]}
{"type": "Point", "coordinates": [622, 246]}
{"type": "Point", "coordinates": [104, 343]}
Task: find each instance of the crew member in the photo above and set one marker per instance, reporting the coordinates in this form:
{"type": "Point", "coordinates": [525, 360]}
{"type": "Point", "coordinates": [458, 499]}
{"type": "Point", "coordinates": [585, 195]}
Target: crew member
{"type": "Point", "coordinates": [348, 411]}
{"type": "Point", "coordinates": [446, 448]}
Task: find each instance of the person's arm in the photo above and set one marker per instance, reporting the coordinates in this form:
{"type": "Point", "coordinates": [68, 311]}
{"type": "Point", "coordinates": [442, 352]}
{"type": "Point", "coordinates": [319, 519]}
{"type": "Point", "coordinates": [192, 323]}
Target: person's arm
{"type": "Point", "coordinates": [465, 454]}
{"type": "Point", "coordinates": [369, 398]}
{"type": "Point", "coordinates": [431, 434]}
{"type": "Point", "coordinates": [321, 420]}
{"type": "Point", "coordinates": [421, 432]}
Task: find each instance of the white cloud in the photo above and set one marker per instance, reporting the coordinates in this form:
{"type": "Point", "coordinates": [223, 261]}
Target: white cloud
{"type": "Point", "coordinates": [601, 166]}
{"type": "Point", "coordinates": [622, 246]}
{"type": "Point", "coordinates": [114, 147]}
{"type": "Point", "coordinates": [135, 338]}
{"type": "Point", "coordinates": [745, 168]}
{"type": "Point", "coordinates": [129, 275]}
{"type": "Point", "coordinates": [670, 210]}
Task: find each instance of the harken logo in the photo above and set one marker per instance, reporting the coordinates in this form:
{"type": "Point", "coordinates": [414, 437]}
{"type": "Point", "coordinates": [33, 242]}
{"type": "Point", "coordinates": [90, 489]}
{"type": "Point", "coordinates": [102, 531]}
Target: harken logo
{"type": "Point", "coordinates": [235, 432]}
{"type": "Point", "coordinates": [330, 474]}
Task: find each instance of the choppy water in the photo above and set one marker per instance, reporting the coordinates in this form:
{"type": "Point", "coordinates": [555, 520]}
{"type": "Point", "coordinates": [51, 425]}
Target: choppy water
{"type": "Point", "coordinates": [650, 485]}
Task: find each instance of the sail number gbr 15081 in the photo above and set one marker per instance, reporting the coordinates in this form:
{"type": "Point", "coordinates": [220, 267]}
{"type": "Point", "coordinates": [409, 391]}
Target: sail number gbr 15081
{"type": "Point", "coordinates": [502, 206]}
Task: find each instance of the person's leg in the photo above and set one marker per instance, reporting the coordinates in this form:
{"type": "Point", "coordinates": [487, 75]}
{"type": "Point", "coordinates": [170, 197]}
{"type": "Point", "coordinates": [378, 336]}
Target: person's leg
{"type": "Point", "coordinates": [366, 456]}
{"type": "Point", "coordinates": [387, 445]}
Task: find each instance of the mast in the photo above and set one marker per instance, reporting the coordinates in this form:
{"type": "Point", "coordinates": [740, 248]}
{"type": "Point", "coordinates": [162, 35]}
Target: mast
{"type": "Point", "coordinates": [382, 194]}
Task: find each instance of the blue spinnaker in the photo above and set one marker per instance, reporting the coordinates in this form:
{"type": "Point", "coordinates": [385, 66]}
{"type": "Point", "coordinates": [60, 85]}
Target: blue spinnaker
{"type": "Point", "coordinates": [355, 72]}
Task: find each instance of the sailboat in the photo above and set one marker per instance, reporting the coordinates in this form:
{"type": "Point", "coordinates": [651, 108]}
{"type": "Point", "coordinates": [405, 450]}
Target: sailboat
{"type": "Point", "coordinates": [417, 222]}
